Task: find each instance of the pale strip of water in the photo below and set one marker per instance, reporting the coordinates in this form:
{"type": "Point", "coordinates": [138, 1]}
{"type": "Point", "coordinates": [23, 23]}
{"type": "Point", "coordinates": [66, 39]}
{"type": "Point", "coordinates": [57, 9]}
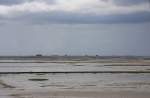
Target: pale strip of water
{"type": "Point", "coordinates": [51, 67]}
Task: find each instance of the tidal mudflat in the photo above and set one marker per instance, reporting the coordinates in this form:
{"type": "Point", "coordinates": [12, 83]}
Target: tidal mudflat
{"type": "Point", "coordinates": [117, 79]}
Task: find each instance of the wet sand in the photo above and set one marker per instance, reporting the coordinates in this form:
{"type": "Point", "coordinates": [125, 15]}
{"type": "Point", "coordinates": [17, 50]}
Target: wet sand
{"type": "Point", "coordinates": [106, 79]}
{"type": "Point", "coordinates": [75, 86]}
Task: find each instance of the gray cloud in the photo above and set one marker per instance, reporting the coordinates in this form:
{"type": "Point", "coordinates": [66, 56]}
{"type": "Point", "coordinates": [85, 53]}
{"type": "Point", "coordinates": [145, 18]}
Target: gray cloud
{"type": "Point", "coordinates": [74, 18]}
{"type": "Point", "coordinates": [130, 2]}
{"type": "Point", "coordinates": [118, 2]}
{"type": "Point", "coordinates": [16, 2]}
{"type": "Point", "coordinates": [10, 2]}
{"type": "Point", "coordinates": [32, 15]}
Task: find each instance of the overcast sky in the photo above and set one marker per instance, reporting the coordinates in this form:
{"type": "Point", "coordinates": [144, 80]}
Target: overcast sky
{"type": "Point", "coordinates": [75, 27]}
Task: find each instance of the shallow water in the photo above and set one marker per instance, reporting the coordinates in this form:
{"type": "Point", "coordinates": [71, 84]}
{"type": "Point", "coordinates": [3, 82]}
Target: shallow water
{"type": "Point", "coordinates": [52, 67]}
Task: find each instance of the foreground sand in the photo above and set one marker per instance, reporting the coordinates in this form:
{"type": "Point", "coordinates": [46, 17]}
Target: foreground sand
{"type": "Point", "coordinates": [80, 94]}
{"type": "Point", "coordinates": [76, 85]}
{"type": "Point", "coordinates": [18, 86]}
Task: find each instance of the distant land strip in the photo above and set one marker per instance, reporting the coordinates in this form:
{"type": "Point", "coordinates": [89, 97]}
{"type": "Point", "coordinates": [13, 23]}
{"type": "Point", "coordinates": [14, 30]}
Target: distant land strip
{"type": "Point", "coordinates": [67, 57]}
{"type": "Point", "coordinates": [76, 72]}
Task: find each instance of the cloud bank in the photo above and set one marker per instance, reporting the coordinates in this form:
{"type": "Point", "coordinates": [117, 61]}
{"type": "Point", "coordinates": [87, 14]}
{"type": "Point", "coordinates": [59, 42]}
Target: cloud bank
{"type": "Point", "coordinates": [76, 11]}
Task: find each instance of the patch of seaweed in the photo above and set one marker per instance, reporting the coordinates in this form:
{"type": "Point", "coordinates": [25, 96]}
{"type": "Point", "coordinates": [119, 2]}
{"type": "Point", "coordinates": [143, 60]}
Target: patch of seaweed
{"type": "Point", "coordinates": [38, 79]}
{"type": "Point", "coordinates": [78, 65]}
{"type": "Point", "coordinates": [41, 74]}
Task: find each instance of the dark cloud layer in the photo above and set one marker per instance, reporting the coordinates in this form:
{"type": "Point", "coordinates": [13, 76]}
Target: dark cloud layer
{"type": "Point", "coordinates": [59, 16]}
{"type": "Point", "coordinates": [10, 2]}
{"type": "Point", "coordinates": [74, 18]}
{"type": "Point", "coordinates": [130, 2]}
{"type": "Point", "coordinates": [92, 19]}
